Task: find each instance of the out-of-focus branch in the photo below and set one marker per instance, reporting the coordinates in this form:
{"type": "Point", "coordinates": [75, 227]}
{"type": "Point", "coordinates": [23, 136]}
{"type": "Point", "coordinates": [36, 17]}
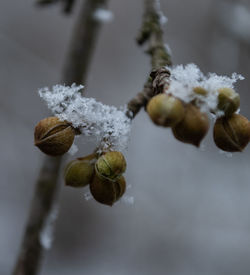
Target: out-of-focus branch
{"type": "Point", "coordinates": [151, 33]}
{"type": "Point", "coordinates": [83, 43]}
{"type": "Point", "coordinates": [68, 4]}
{"type": "Point", "coordinates": [47, 185]}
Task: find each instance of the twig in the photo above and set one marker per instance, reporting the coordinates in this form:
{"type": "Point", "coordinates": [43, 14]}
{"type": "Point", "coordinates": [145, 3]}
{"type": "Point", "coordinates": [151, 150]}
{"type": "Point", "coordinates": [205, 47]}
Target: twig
{"type": "Point", "coordinates": [152, 33]}
{"type": "Point", "coordinates": [47, 185]}
{"type": "Point", "coordinates": [68, 4]}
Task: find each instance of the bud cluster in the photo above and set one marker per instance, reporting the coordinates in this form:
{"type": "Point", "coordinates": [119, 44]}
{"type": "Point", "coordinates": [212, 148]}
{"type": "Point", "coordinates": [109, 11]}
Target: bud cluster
{"type": "Point", "coordinates": [183, 98]}
{"type": "Point", "coordinates": [190, 125]}
{"type": "Point", "coordinates": [104, 175]}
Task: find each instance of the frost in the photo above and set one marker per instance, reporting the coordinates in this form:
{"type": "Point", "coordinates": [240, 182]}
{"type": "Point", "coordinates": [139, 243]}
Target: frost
{"type": "Point", "coordinates": [203, 147]}
{"type": "Point", "coordinates": [168, 49]}
{"type": "Point", "coordinates": [128, 200]}
{"type": "Point", "coordinates": [226, 154]}
{"type": "Point", "coordinates": [103, 15]}
{"type": "Point", "coordinates": [73, 150]}
{"type": "Point", "coordinates": [184, 78]}
{"type": "Point", "coordinates": [107, 126]}
{"type": "Point", "coordinates": [163, 18]}
{"type": "Point", "coordinates": [88, 196]}
{"type": "Point", "coordinates": [46, 235]}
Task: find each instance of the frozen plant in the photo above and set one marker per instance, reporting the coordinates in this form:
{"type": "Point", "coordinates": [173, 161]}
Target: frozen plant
{"type": "Point", "coordinates": [184, 78]}
{"type": "Point", "coordinates": [108, 126]}
{"type": "Point", "coordinates": [181, 98]}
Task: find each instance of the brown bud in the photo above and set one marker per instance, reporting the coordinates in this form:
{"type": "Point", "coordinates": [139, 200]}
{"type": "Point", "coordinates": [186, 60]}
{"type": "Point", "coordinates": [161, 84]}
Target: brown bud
{"type": "Point", "coordinates": [111, 165]}
{"type": "Point", "coordinates": [79, 173]}
{"type": "Point", "coordinates": [165, 110]}
{"type": "Point", "coordinates": [232, 134]}
{"type": "Point", "coordinates": [193, 128]}
{"type": "Point", "coordinates": [228, 101]}
{"type": "Point", "coordinates": [106, 191]}
{"type": "Point", "coordinates": [54, 137]}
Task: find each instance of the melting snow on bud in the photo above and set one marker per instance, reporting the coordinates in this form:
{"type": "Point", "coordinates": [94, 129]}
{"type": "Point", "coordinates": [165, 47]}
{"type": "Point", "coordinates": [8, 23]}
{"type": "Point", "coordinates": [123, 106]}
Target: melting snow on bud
{"type": "Point", "coordinates": [184, 78]}
{"type": "Point", "coordinates": [107, 126]}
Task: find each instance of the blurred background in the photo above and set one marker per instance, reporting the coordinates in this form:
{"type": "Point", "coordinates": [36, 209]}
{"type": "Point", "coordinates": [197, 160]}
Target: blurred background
{"type": "Point", "coordinates": [191, 206]}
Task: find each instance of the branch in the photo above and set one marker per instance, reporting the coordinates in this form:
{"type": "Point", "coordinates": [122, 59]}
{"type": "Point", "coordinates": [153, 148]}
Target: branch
{"type": "Point", "coordinates": [152, 33]}
{"type": "Point", "coordinates": [83, 44]}
{"type": "Point", "coordinates": [47, 185]}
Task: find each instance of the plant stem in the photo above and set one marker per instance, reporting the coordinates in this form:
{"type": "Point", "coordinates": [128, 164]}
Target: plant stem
{"type": "Point", "coordinates": [152, 33]}
{"type": "Point", "coordinates": [47, 185]}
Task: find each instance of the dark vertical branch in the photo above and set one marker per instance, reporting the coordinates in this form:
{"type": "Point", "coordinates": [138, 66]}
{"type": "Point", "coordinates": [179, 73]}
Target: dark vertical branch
{"type": "Point", "coordinates": [83, 42]}
{"type": "Point", "coordinates": [47, 185]}
{"type": "Point", "coordinates": [151, 33]}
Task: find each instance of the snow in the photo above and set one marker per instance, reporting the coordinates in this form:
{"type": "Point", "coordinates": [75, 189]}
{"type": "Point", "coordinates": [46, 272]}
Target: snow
{"type": "Point", "coordinates": [129, 200]}
{"type": "Point", "coordinates": [107, 126]}
{"type": "Point", "coordinates": [88, 196]}
{"type": "Point", "coordinates": [103, 15]}
{"type": "Point", "coordinates": [184, 78]}
{"type": "Point", "coordinates": [162, 17]}
{"type": "Point", "coordinates": [73, 149]}
{"type": "Point", "coordinates": [46, 235]}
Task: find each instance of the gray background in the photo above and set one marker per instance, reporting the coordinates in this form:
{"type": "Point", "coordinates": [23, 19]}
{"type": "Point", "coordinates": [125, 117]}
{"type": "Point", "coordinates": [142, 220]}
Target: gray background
{"type": "Point", "coordinates": [191, 209]}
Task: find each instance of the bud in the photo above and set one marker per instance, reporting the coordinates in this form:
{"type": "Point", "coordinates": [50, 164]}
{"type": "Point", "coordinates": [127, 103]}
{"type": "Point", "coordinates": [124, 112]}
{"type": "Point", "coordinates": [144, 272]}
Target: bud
{"type": "Point", "coordinates": [106, 191]}
{"type": "Point", "coordinates": [232, 134]}
{"type": "Point", "coordinates": [54, 137]}
{"type": "Point", "coordinates": [228, 101]}
{"type": "Point", "coordinates": [193, 128]}
{"type": "Point", "coordinates": [200, 91]}
{"type": "Point", "coordinates": [111, 165]}
{"type": "Point", "coordinates": [165, 110]}
{"type": "Point", "coordinates": [78, 173]}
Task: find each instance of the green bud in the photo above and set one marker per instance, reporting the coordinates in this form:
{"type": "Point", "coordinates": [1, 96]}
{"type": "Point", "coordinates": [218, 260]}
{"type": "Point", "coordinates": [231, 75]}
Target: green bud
{"type": "Point", "coordinates": [232, 134]}
{"type": "Point", "coordinates": [228, 101]}
{"type": "Point", "coordinates": [165, 110]}
{"type": "Point", "coordinates": [193, 128]}
{"type": "Point", "coordinates": [78, 173]}
{"type": "Point", "coordinates": [106, 191]}
{"type": "Point", "coordinates": [111, 165]}
{"type": "Point", "coordinates": [54, 137]}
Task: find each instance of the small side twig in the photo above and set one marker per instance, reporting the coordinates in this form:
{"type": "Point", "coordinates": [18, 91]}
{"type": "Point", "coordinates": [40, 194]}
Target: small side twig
{"type": "Point", "coordinates": [68, 4]}
{"type": "Point", "coordinates": [47, 185]}
{"type": "Point", "coordinates": [151, 33]}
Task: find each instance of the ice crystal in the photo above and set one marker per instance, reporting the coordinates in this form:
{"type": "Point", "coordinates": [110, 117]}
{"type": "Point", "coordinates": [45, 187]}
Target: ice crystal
{"type": "Point", "coordinates": [108, 126]}
{"type": "Point", "coordinates": [184, 78]}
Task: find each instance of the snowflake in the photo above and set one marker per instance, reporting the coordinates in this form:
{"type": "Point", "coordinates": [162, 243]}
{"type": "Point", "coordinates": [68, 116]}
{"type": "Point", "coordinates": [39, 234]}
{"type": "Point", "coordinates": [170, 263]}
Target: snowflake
{"type": "Point", "coordinates": [184, 78]}
{"type": "Point", "coordinates": [108, 126]}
